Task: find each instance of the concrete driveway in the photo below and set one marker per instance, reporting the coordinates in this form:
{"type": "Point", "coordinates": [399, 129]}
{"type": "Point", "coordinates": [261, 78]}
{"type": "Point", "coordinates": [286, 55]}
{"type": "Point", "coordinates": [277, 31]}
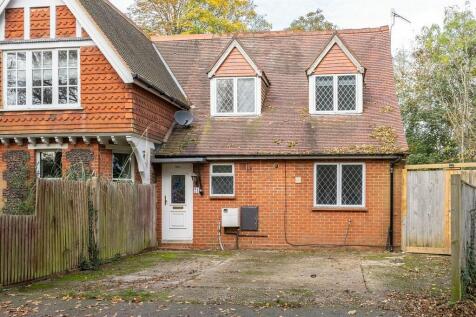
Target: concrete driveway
{"type": "Point", "coordinates": [244, 283]}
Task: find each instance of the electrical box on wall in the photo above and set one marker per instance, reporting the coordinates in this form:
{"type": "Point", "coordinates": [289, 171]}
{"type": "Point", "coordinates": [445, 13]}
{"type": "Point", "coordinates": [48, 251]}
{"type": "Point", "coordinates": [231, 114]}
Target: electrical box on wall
{"type": "Point", "coordinates": [230, 217]}
{"type": "Point", "coordinates": [249, 218]}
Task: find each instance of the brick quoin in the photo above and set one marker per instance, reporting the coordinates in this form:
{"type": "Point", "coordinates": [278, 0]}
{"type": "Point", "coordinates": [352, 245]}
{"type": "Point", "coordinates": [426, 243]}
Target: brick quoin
{"type": "Point", "coordinates": [262, 184]}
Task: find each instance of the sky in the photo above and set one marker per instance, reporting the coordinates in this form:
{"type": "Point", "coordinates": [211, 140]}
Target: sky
{"type": "Point", "coordinates": [356, 14]}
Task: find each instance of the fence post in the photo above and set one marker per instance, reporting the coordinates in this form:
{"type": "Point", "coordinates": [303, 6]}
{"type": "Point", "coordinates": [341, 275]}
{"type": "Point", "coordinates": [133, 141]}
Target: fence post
{"type": "Point", "coordinates": [93, 207]}
{"type": "Point", "coordinates": [457, 288]}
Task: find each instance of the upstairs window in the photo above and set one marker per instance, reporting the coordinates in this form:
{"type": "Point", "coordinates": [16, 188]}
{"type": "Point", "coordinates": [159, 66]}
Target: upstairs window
{"type": "Point", "coordinates": [334, 94]}
{"type": "Point", "coordinates": [234, 96]}
{"type": "Point", "coordinates": [41, 79]}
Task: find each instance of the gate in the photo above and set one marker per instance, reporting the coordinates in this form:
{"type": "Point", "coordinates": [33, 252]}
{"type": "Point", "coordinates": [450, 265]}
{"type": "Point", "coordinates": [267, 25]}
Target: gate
{"type": "Point", "coordinates": [426, 206]}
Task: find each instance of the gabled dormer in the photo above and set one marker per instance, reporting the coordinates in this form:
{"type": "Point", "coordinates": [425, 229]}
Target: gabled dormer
{"type": "Point", "coordinates": [335, 81]}
{"type": "Point", "coordinates": [237, 85]}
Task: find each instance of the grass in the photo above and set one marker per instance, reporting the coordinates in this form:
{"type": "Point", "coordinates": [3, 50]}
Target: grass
{"type": "Point", "coordinates": [122, 266]}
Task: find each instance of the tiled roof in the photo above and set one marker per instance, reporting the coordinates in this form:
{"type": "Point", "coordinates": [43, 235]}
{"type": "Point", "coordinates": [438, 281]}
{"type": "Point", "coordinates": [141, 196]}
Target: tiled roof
{"type": "Point", "coordinates": [285, 126]}
{"type": "Point", "coordinates": [134, 47]}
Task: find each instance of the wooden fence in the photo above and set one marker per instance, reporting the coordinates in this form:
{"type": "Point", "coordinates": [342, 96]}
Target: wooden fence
{"type": "Point", "coordinates": [426, 206]}
{"type": "Point", "coordinates": [56, 238]}
{"type": "Point", "coordinates": [463, 246]}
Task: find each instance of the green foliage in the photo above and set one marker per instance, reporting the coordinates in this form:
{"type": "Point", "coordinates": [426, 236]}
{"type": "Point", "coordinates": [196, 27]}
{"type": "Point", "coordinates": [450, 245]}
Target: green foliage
{"type": "Point", "coordinates": [197, 16]}
{"type": "Point", "coordinates": [312, 21]}
{"type": "Point", "coordinates": [437, 91]}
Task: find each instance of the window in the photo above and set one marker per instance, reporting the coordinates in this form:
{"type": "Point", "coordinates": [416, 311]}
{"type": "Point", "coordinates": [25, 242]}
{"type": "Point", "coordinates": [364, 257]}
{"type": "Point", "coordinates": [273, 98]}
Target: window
{"type": "Point", "coordinates": [330, 94]}
{"type": "Point", "coordinates": [222, 180]}
{"type": "Point", "coordinates": [235, 96]}
{"type": "Point", "coordinates": [49, 164]}
{"type": "Point", "coordinates": [42, 79]}
{"type": "Point", "coordinates": [16, 78]}
{"type": "Point", "coordinates": [122, 166]}
{"type": "Point", "coordinates": [339, 184]}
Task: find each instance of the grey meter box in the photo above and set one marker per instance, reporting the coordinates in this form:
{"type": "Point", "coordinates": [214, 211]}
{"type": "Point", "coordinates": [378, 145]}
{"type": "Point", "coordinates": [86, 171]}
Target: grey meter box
{"type": "Point", "coordinates": [249, 218]}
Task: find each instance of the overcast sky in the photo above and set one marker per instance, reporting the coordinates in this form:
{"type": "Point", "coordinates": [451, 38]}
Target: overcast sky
{"type": "Point", "coordinates": [356, 13]}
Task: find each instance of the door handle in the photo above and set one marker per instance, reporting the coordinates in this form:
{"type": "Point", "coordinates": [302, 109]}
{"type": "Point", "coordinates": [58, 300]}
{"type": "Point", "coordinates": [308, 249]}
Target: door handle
{"type": "Point", "coordinates": [165, 200]}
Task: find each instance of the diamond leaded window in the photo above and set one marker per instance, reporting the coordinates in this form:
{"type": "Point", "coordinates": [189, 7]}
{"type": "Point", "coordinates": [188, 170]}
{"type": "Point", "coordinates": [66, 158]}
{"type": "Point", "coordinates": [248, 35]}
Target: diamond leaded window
{"type": "Point", "coordinates": [235, 96]}
{"type": "Point", "coordinates": [222, 180]}
{"type": "Point", "coordinates": [340, 184]}
{"type": "Point", "coordinates": [336, 94]}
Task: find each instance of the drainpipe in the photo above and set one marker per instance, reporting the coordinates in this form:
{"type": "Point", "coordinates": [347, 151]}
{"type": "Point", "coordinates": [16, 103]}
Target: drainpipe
{"type": "Point", "coordinates": [390, 246]}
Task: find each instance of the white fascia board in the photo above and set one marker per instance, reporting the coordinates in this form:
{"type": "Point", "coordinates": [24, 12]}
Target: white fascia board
{"type": "Point", "coordinates": [169, 70]}
{"type": "Point", "coordinates": [44, 45]}
{"type": "Point", "coordinates": [338, 41]}
{"type": "Point", "coordinates": [234, 44]}
{"type": "Point", "coordinates": [101, 40]}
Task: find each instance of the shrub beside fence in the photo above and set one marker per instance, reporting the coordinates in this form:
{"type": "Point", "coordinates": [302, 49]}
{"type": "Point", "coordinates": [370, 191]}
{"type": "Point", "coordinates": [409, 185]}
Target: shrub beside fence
{"type": "Point", "coordinates": [463, 231]}
{"type": "Point", "coordinates": [116, 218]}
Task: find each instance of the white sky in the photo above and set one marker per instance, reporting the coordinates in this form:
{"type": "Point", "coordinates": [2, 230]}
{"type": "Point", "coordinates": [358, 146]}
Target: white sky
{"type": "Point", "coordinates": [356, 13]}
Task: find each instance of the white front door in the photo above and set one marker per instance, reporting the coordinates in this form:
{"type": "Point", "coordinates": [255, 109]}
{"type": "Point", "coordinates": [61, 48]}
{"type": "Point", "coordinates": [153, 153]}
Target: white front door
{"type": "Point", "coordinates": [177, 203]}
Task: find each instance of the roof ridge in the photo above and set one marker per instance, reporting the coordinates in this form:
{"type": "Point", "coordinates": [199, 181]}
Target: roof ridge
{"type": "Point", "coordinates": [186, 37]}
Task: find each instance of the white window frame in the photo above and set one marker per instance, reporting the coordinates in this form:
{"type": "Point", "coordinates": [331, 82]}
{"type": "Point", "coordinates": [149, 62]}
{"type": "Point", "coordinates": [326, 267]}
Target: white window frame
{"type": "Point", "coordinates": [358, 95]}
{"type": "Point", "coordinates": [38, 162]}
{"type": "Point", "coordinates": [132, 164]}
{"type": "Point", "coordinates": [235, 113]}
{"type": "Point", "coordinates": [222, 174]}
{"type": "Point", "coordinates": [339, 186]}
{"type": "Point", "coordinates": [29, 82]}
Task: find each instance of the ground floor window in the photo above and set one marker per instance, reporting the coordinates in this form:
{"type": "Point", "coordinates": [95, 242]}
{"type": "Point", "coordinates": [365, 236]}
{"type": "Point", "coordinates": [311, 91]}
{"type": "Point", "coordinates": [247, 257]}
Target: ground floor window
{"type": "Point", "coordinates": [49, 164]}
{"type": "Point", "coordinates": [339, 184]}
{"type": "Point", "coordinates": [122, 166]}
{"type": "Point", "coordinates": [222, 180]}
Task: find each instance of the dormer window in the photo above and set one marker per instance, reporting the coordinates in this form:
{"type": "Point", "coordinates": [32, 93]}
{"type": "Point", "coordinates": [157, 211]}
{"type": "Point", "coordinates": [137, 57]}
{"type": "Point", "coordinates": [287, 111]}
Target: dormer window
{"type": "Point", "coordinates": [331, 94]}
{"type": "Point", "coordinates": [234, 96]}
{"type": "Point", "coordinates": [236, 84]}
{"type": "Point", "coordinates": [336, 81]}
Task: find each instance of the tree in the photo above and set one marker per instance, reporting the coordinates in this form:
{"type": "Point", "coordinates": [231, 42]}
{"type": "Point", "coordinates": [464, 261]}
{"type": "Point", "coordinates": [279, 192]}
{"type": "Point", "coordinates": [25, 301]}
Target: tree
{"type": "Point", "coordinates": [313, 21]}
{"type": "Point", "coordinates": [437, 90]}
{"type": "Point", "coordinates": [197, 16]}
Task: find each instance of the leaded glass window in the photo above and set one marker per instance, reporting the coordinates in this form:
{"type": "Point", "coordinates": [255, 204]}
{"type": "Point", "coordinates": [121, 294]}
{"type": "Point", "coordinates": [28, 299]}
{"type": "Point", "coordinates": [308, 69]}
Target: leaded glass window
{"type": "Point", "coordinates": [324, 93]}
{"type": "Point", "coordinates": [340, 184]}
{"type": "Point", "coordinates": [235, 96]}
{"type": "Point", "coordinates": [222, 180]}
{"type": "Point", "coordinates": [346, 93]}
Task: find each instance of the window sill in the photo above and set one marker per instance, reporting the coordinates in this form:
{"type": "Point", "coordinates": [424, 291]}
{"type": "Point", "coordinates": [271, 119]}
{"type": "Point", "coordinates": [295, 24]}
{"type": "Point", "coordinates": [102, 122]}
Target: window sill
{"type": "Point", "coordinates": [335, 113]}
{"type": "Point", "coordinates": [41, 108]}
{"type": "Point", "coordinates": [340, 209]}
{"type": "Point", "coordinates": [222, 197]}
{"type": "Point", "coordinates": [236, 115]}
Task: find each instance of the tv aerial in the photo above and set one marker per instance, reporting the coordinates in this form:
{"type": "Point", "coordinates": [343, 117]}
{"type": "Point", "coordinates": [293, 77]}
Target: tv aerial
{"type": "Point", "coordinates": [396, 16]}
{"type": "Point", "coordinates": [183, 118]}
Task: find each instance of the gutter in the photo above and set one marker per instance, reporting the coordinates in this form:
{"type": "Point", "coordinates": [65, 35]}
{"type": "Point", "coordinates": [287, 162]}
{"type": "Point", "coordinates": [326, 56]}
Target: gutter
{"type": "Point", "coordinates": [283, 157]}
{"type": "Point", "coordinates": [144, 83]}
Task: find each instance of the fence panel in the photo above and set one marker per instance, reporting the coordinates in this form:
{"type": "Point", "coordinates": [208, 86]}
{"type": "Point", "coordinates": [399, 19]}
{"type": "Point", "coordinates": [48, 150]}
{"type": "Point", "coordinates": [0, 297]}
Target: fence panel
{"type": "Point", "coordinates": [463, 221]}
{"type": "Point", "coordinates": [51, 241]}
{"type": "Point", "coordinates": [57, 237]}
{"type": "Point", "coordinates": [126, 218]}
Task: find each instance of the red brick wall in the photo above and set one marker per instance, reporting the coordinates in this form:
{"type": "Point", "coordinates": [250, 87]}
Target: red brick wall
{"type": "Point", "coordinates": [262, 183]}
{"type": "Point", "coordinates": [14, 23]}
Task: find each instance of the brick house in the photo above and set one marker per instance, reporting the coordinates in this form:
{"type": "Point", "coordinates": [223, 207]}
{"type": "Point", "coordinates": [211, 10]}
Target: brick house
{"type": "Point", "coordinates": [302, 129]}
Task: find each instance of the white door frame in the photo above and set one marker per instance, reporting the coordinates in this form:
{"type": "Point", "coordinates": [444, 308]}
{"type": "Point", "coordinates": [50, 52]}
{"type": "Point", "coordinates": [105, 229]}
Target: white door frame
{"type": "Point", "coordinates": [180, 214]}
